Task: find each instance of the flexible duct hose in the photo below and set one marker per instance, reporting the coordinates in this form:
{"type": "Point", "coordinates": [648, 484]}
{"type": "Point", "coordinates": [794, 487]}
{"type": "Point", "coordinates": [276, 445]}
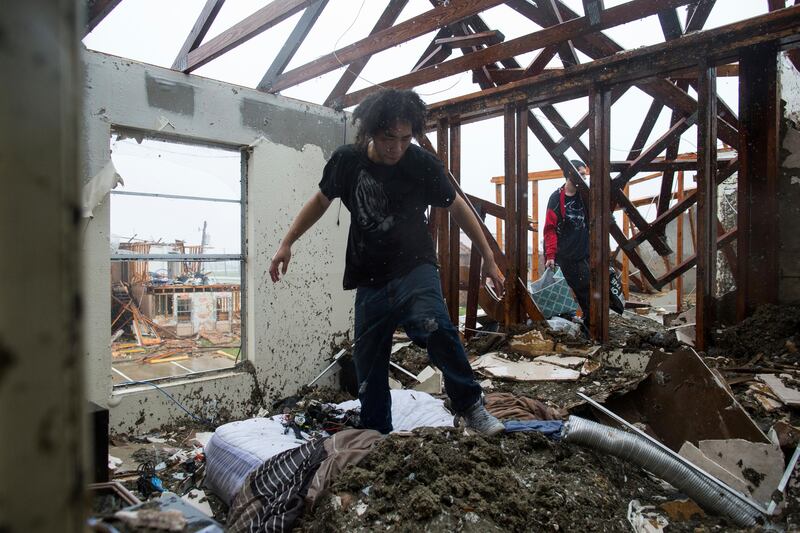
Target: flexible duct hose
{"type": "Point", "coordinates": [637, 450]}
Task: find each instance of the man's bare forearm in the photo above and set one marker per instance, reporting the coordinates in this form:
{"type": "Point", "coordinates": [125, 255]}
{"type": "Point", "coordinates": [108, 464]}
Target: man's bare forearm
{"type": "Point", "coordinates": [309, 214]}
{"type": "Point", "coordinates": [468, 222]}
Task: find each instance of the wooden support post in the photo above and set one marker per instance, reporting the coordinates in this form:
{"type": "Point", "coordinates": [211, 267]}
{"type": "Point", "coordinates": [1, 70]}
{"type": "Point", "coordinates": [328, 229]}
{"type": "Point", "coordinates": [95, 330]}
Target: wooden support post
{"type": "Point", "coordinates": [679, 247]}
{"type": "Point", "coordinates": [511, 306]}
{"type": "Point", "coordinates": [535, 230]}
{"type": "Point", "coordinates": [600, 190]}
{"type": "Point", "coordinates": [442, 217]}
{"type": "Point", "coordinates": [706, 202]}
{"type": "Point", "coordinates": [626, 227]}
{"type": "Point", "coordinates": [474, 287]}
{"type": "Point", "coordinates": [498, 198]}
{"type": "Point", "coordinates": [757, 199]}
{"type": "Point", "coordinates": [455, 231]}
{"type": "Point", "coordinates": [521, 194]}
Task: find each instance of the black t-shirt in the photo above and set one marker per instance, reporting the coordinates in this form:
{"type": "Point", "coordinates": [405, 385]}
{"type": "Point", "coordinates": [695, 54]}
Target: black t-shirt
{"type": "Point", "coordinates": [388, 228]}
{"type": "Point", "coordinates": [572, 229]}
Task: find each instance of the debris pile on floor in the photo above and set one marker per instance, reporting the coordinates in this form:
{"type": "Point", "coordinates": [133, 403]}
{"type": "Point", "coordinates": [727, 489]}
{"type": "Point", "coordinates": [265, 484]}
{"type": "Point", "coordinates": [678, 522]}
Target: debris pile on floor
{"type": "Point", "coordinates": [642, 434]}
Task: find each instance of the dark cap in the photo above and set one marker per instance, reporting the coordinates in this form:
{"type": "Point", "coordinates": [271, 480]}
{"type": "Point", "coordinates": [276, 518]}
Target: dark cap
{"type": "Point", "coordinates": [577, 163]}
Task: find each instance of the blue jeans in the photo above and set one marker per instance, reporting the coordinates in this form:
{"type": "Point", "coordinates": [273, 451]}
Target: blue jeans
{"type": "Point", "coordinates": [415, 302]}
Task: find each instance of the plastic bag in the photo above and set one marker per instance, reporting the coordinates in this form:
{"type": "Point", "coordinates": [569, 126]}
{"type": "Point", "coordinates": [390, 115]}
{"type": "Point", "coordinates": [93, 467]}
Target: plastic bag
{"type": "Point", "coordinates": [552, 295]}
{"type": "Point", "coordinates": [563, 325]}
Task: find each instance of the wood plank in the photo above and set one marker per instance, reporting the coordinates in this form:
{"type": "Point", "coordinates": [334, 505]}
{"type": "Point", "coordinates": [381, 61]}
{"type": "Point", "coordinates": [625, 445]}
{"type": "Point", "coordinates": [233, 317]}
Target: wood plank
{"type": "Point", "coordinates": [611, 17]}
{"type": "Point", "coordinates": [599, 227]}
{"type": "Point", "coordinates": [484, 38]}
{"type": "Point", "coordinates": [654, 149]}
{"type": "Point", "coordinates": [670, 24]}
{"type": "Point", "coordinates": [598, 45]}
{"type": "Point", "coordinates": [268, 16]}
{"type": "Point", "coordinates": [455, 231]}
{"type": "Point", "coordinates": [673, 148]}
{"type": "Point", "coordinates": [511, 308]}
{"type": "Point", "coordinates": [534, 230]}
{"type": "Point", "coordinates": [691, 261]}
{"type": "Point", "coordinates": [353, 70]}
{"type": "Point", "coordinates": [593, 9]}
{"type": "Point", "coordinates": [649, 122]}
{"type": "Point", "coordinates": [706, 205]}
{"type": "Point", "coordinates": [385, 39]}
{"type": "Point", "coordinates": [198, 32]}
{"type": "Point", "coordinates": [521, 198]}
{"type": "Point", "coordinates": [679, 246]}
{"type": "Point", "coordinates": [699, 15]}
{"type": "Point", "coordinates": [720, 45]}
{"type": "Point", "coordinates": [566, 50]}
{"type": "Point", "coordinates": [292, 44]}
{"type": "Point", "coordinates": [443, 225]}
{"type": "Point", "coordinates": [759, 112]}
{"type": "Point", "coordinates": [97, 10]}
{"type": "Point", "coordinates": [689, 199]}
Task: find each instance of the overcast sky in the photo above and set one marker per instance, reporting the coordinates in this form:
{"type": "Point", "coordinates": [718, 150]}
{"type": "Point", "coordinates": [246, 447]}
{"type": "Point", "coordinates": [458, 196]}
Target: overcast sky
{"type": "Point", "coordinates": [152, 31]}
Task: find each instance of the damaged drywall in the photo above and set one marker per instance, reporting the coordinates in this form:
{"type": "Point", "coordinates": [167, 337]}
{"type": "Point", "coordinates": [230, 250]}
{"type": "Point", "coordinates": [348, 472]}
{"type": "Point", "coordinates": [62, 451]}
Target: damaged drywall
{"type": "Point", "coordinates": [301, 315]}
{"type": "Point", "coordinates": [789, 184]}
{"type": "Point", "coordinates": [280, 125]}
{"type": "Point", "coordinates": [290, 326]}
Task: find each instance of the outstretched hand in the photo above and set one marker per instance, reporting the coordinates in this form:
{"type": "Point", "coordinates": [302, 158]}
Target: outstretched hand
{"type": "Point", "coordinates": [495, 280]}
{"type": "Point", "coordinates": [280, 262]}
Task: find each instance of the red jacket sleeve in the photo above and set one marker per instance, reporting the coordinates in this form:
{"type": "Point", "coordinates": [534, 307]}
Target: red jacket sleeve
{"type": "Point", "coordinates": [550, 236]}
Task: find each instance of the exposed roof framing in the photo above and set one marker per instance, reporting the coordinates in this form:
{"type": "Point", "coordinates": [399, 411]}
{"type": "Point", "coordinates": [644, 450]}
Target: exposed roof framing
{"type": "Point", "coordinates": [97, 10]}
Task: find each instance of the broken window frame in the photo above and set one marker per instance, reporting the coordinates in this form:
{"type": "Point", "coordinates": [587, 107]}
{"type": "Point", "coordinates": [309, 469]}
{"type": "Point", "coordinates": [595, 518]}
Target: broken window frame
{"type": "Point", "coordinates": [237, 300]}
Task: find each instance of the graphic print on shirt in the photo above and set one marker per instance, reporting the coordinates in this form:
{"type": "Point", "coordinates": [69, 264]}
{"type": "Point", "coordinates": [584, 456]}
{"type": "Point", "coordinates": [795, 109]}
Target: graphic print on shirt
{"type": "Point", "coordinates": [372, 205]}
{"type": "Point", "coordinates": [575, 213]}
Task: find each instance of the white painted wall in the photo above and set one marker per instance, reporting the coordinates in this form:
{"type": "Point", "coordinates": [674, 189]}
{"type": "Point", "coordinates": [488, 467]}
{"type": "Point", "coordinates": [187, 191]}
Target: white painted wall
{"type": "Point", "coordinates": [290, 327]}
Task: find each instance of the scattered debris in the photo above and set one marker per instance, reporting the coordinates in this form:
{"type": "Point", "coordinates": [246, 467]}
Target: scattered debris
{"type": "Point", "coordinates": [497, 366]}
{"type": "Point", "coordinates": [645, 518]}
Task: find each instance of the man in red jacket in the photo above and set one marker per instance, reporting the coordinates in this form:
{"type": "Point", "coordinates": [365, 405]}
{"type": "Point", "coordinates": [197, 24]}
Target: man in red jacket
{"type": "Point", "coordinates": [566, 238]}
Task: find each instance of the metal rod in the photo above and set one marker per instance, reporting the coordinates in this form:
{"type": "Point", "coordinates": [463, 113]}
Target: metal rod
{"type": "Point", "coordinates": [785, 479]}
{"type": "Point", "coordinates": [403, 370]}
{"type": "Point", "coordinates": [689, 464]}
{"type": "Point", "coordinates": [327, 368]}
{"type": "Point", "coordinates": [175, 196]}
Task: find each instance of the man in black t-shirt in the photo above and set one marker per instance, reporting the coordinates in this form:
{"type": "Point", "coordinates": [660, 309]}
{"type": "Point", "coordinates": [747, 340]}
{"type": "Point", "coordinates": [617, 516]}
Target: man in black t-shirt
{"type": "Point", "coordinates": [566, 239]}
{"type": "Point", "coordinates": [388, 184]}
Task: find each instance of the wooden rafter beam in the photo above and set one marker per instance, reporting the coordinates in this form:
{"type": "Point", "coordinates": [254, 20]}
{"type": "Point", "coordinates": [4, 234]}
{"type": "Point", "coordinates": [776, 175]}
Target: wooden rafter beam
{"type": "Point", "coordinates": [386, 20]}
{"type": "Point", "coordinates": [385, 39]}
{"type": "Point", "coordinates": [688, 201]}
{"type": "Point", "coordinates": [484, 38]}
{"type": "Point", "coordinates": [654, 149]}
{"type": "Point", "coordinates": [198, 32]}
{"type": "Point", "coordinates": [265, 18]}
{"type": "Point", "coordinates": [97, 10]}
{"type": "Point", "coordinates": [670, 24]}
{"type": "Point", "coordinates": [566, 50]}
{"type": "Point", "coordinates": [593, 9]}
{"type": "Point", "coordinates": [598, 45]}
{"type": "Point", "coordinates": [698, 15]}
{"type": "Point", "coordinates": [292, 44]}
{"type": "Point", "coordinates": [720, 45]}
{"type": "Point", "coordinates": [611, 17]}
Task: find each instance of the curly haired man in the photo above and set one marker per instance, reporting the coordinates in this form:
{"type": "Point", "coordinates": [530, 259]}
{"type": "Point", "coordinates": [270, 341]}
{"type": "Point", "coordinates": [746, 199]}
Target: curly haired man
{"type": "Point", "coordinates": [387, 183]}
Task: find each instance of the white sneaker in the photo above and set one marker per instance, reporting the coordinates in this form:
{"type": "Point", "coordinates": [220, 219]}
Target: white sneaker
{"type": "Point", "coordinates": [480, 420]}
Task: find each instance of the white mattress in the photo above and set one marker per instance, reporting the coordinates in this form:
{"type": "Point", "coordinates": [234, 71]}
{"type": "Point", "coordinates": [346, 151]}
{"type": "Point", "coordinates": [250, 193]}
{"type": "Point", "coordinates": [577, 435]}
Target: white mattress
{"type": "Point", "coordinates": [238, 448]}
